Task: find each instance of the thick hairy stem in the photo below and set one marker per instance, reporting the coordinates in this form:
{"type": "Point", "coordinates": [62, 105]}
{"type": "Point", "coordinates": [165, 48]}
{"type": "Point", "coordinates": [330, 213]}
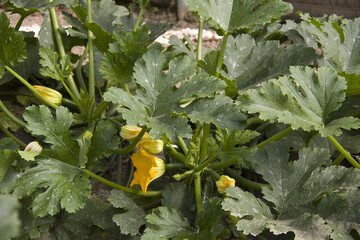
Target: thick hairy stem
{"type": "Point", "coordinates": [91, 55]}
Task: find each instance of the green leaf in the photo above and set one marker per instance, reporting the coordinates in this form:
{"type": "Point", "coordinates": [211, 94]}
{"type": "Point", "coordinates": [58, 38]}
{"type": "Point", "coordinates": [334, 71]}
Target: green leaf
{"type": "Point", "coordinates": [7, 122]}
{"type": "Point", "coordinates": [104, 140]}
{"type": "Point", "coordinates": [28, 155]}
{"type": "Point", "coordinates": [55, 130]}
{"type": "Point", "coordinates": [210, 216]}
{"type": "Point", "coordinates": [91, 222]}
{"type": "Point", "coordinates": [231, 15]}
{"type": "Point", "coordinates": [31, 5]}
{"type": "Point", "coordinates": [340, 45]}
{"type": "Point", "coordinates": [105, 12]}
{"type": "Point", "coordinates": [8, 144]}
{"type": "Point", "coordinates": [134, 217]}
{"type": "Point", "coordinates": [228, 146]}
{"type": "Point", "coordinates": [304, 100]}
{"type": "Point", "coordinates": [254, 62]}
{"type": "Point", "coordinates": [219, 110]}
{"type": "Point", "coordinates": [184, 200]}
{"type": "Point", "coordinates": [10, 223]}
{"type": "Point", "coordinates": [243, 204]}
{"type": "Point", "coordinates": [46, 33]}
{"type": "Point", "coordinates": [66, 186]}
{"type": "Point", "coordinates": [344, 215]}
{"type": "Point", "coordinates": [167, 223]}
{"type": "Point", "coordinates": [159, 98]}
{"type": "Point", "coordinates": [7, 157]}
{"type": "Point", "coordinates": [12, 45]}
{"type": "Point", "coordinates": [52, 67]}
{"type": "Point", "coordinates": [118, 64]}
{"type": "Point", "coordinates": [33, 226]}
{"type": "Point", "coordinates": [183, 46]}
{"type": "Point", "coordinates": [301, 195]}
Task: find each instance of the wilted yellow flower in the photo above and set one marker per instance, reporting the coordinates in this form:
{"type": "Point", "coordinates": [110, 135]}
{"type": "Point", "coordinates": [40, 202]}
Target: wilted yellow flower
{"type": "Point", "coordinates": [152, 146]}
{"type": "Point", "coordinates": [224, 182]}
{"type": "Point", "coordinates": [148, 168]}
{"type": "Point", "coordinates": [130, 132]}
{"type": "Point", "coordinates": [33, 147]}
{"type": "Point", "coordinates": [51, 94]}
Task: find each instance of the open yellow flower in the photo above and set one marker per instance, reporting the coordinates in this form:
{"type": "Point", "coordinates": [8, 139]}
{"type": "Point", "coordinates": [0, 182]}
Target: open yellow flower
{"type": "Point", "coordinates": [224, 182]}
{"type": "Point", "coordinates": [148, 168]}
{"type": "Point", "coordinates": [51, 94]}
{"type": "Point", "coordinates": [130, 132]}
{"type": "Point", "coordinates": [152, 146]}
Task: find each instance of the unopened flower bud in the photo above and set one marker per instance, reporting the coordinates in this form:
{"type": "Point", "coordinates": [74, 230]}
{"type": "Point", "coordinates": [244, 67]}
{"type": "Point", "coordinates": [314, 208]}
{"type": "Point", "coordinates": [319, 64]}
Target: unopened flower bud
{"type": "Point", "coordinates": [52, 95]}
{"type": "Point", "coordinates": [224, 182]}
{"type": "Point", "coordinates": [152, 146]}
{"type": "Point", "coordinates": [130, 132]}
{"type": "Point", "coordinates": [33, 147]}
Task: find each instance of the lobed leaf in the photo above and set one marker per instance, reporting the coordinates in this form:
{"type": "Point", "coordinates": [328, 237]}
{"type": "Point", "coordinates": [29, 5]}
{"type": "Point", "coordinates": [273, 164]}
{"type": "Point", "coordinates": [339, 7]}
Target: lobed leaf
{"type": "Point", "coordinates": [52, 66]}
{"type": "Point", "coordinates": [219, 110]}
{"type": "Point", "coordinates": [255, 63]}
{"type": "Point", "coordinates": [117, 65]}
{"type": "Point", "coordinates": [167, 223]}
{"type": "Point", "coordinates": [12, 45]}
{"type": "Point", "coordinates": [66, 186]}
{"type": "Point", "coordinates": [231, 15]}
{"type": "Point", "coordinates": [10, 223]}
{"type": "Point", "coordinates": [133, 218]}
{"type": "Point", "coordinates": [55, 130]}
{"type": "Point", "coordinates": [304, 100]}
{"type": "Point", "coordinates": [340, 44]}
{"type": "Point", "coordinates": [159, 98]}
{"type": "Point", "coordinates": [301, 195]}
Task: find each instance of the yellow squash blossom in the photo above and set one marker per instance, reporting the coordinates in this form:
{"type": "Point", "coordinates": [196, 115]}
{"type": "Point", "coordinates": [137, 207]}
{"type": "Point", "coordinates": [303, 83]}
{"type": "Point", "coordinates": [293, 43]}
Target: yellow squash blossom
{"type": "Point", "coordinates": [52, 95]}
{"type": "Point", "coordinates": [148, 168]}
{"type": "Point", "coordinates": [224, 182]}
{"type": "Point", "coordinates": [152, 146]}
{"type": "Point", "coordinates": [130, 132]}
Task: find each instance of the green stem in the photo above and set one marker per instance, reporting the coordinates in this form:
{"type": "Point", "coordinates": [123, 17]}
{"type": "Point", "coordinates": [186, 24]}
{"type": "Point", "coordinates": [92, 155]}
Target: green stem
{"type": "Point", "coordinates": [177, 156]}
{"type": "Point", "coordinates": [18, 24]}
{"type": "Point", "coordinates": [132, 145]}
{"type": "Point", "coordinates": [221, 55]}
{"type": "Point", "coordinates": [119, 187]}
{"type": "Point", "coordinates": [118, 168]}
{"type": "Point", "coordinates": [68, 102]}
{"type": "Point", "coordinates": [100, 109]}
{"type": "Point", "coordinates": [275, 138]}
{"type": "Point", "coordinates": [10, 135]}
{"type": "Point", "coordinates": [91, 55]}
{"type": "Point", "coordinates": [197, 186]}
{"type": "Point", "coordinates": [79, 67]}
{"type": "Point", "coordinates": [183, 145]}
{"type": "Point", "coordinates": [199, 42]}
{"type": "Point", "coordinates": [11, 116]}
{"type": "Point", "coordinates": [338, 160]}
{"type": "Point", "coordinates": [174, 166]}
{"type": "Point", "coordinates": [142, 10]}
{"type": "Point", "coordinates": [126, 88]}
{"type": "Point", "coordinates": [347, 155]}
{"type": "Point", "coordinates": [31, 88]}
{"type": "Point", "coordinates": [203, 145]}
{"type": "Point", "coordinates": [131, 174]}
{"type": "Point", "coordinates": [244, 181]}
{"type": "Point", "coordinates": [61, 49]}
